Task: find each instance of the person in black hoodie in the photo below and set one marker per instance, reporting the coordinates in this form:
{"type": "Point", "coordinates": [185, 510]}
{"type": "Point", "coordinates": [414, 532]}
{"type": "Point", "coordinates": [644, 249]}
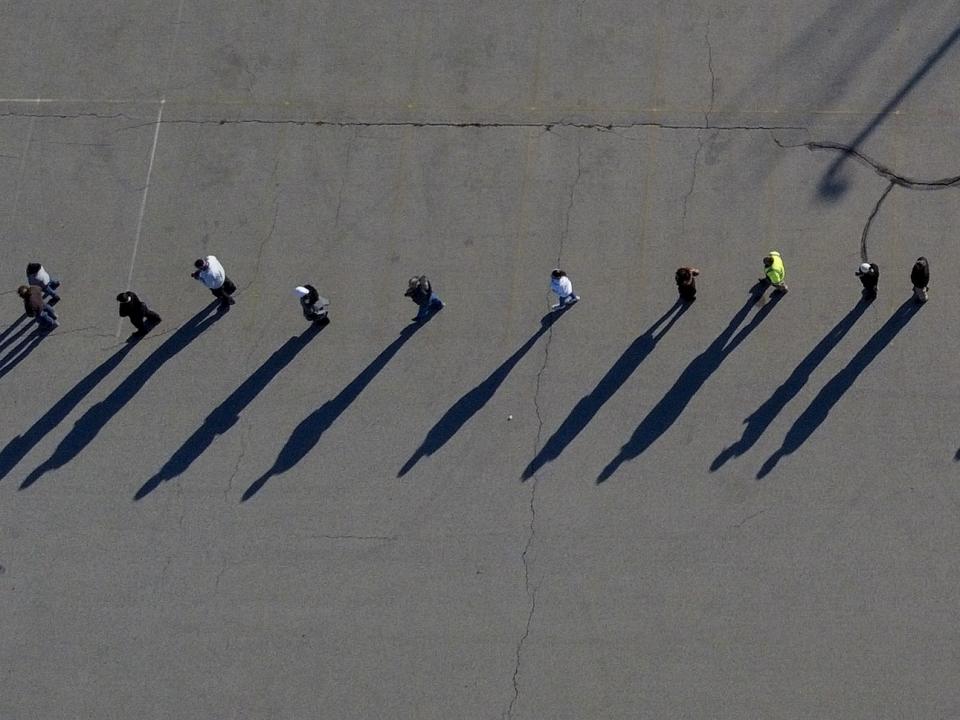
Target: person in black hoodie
{"type": "Point", "coordinates": [869, 274]}
{"type": "Point", "coordinates": [920, 277]}
{"type": "Point", "coordinates": [686, 283]}
{"type": "Point", "coordinates": [142, 317]}
{"type": "Point", "coordinates": [421, 292]}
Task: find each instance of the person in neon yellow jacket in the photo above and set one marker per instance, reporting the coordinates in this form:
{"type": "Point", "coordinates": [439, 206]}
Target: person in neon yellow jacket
{"type": "Point", "coordinates": [774, 272]}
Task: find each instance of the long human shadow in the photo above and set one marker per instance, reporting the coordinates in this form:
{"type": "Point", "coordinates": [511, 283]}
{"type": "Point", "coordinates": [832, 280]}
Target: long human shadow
{"type": "Point", "coordinates": [94, 419]}
{"type": "Point", "coordinates": [19, 352]}
{"type": "Point", "coordinates": [308, 433]}
{"type": "Point", "coordinates": [831, 186]}
{"type": "Point", "coordinates": [227, 413]}
{"type": "Point", "coordinates": [16, 329]}
{"type": "Point", "coordinates": [665, 412]}
{"type": "Point", "coordinates": [468, 405]}
{"type": "Point", "coordinates": [18, 447]}
{"type": "Point", "coordinates": [759, 420]}
{"type": "Point", "coordinates": [590, 404]}
{"type": "Point", "coordinates": [830, 394]}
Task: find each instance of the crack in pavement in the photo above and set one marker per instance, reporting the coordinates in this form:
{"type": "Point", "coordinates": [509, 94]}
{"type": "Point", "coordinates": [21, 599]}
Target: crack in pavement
{"type": "Point", "coordinates": [713, 77]}
{"type": "Point", "coordinates": [866, 228]}
{"type": "Point", "coordinates": [693, 182]}
{"type": "Point", "coordinates": [343, 182]}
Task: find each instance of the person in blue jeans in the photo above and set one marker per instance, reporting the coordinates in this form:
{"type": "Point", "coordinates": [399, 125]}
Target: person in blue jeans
{"type": "Point", "coordinates": [421, 292]}
{"type": "Point", "coordinates": [35, 307]}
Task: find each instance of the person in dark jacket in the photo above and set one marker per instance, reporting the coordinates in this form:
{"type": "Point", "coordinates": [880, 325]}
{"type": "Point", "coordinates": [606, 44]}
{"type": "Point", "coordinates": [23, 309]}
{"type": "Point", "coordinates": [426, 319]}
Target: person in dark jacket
{"type": "Point", "coordinates": [920, 277]}
{"type": "Point", "coordinates": [686, 283]}
{"type": "Point", "coordinates": [142, 317]}
{"type": "Point", "coordinates": [35, 307]}
{"type": "Point", "coordinates": [313, 304]}
{"type": "Point", "coordinates": [421, 292]}
{"type": "Point", "coordinates": [869, 274]}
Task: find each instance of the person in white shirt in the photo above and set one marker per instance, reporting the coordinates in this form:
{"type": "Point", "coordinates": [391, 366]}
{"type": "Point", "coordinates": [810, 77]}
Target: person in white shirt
{"type": "Point", "coordinates": [38, 275]}
{"type": "Point", "coordinates": [561, 285]}
{"type": "Point", "coordinates": [211, 273]}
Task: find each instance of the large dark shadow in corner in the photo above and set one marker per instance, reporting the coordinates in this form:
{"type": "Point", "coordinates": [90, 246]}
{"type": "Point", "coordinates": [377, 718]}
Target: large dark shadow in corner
{"type": "Point", "coordinates": [19, 352]}
{"type": "Point", "coordinates": [832, 185]}
{"type": "Point", "coordinates": [308, 433]}
{"type": "Point", "coordinates": [590, 404]}
{"type": "Point", "coordinates": [18, 447]}
{"type": "Point", "coordinates": [93, 420]}
{"type": "Point", "coordinates": [811, 418]}
{"type": "Point", "coordinates": [759, 420]}
{"type": "Point", "coordinates": [665, 412]}
{"type": "Point", "coordinates": [226, 414]}
{"type": "Point", "coordinates": [468, 405]}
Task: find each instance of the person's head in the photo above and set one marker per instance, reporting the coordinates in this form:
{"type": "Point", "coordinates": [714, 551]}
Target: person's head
{"type": "Point", "coordinates": [683, 274]}
{"type": "Point", "coordinates": [23, 290]}
{"type": "Point", "coordinates": [863, 269]}
{"type": "Point", "coordinates": [123, 297]}
{"type": "Point", "coordinates": [200, 263]}
{"type": "Point", "coordinates": [557, 273]}
{"type": "Point", "coordinates": [921, 260]}
{"type": "Point", "coordinates": [767, 261]}
{"type": "Point", "coordinates": [33, 268]}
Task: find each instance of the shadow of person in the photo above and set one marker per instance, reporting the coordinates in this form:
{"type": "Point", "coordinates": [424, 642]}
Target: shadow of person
{"type": "Point", "coordinates": [18, 447]}
{"type": "Point", "coordinates": [759, 420]}
{"type": "Point", "coordinates": [227, 413]}
{"type": "Point", "coordinates": [830, 394]}
{"type": "Point", "coordinates": [590, 404]}
{"type": "Point", "coordinates": [665, 412]}
{"type": "Point", "coordinates": [468, 405]}
{"type": "Point", "coordinates": [308, 433]}
{"type": "Point", "coordinates": [95, 418]}
{"type": "Point", "coordinates": [16, 329]}
{"type": "Point", "coordinates": [20, 351]}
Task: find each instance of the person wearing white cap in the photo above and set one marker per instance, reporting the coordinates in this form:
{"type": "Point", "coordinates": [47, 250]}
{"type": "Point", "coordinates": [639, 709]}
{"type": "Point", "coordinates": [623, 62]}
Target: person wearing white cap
{"type": "Point", "coordinates": [869, 275]}
{"type": "Point", "coordinates": [313, 304]}
{"type": "Point", "coordinates": [561, 285]}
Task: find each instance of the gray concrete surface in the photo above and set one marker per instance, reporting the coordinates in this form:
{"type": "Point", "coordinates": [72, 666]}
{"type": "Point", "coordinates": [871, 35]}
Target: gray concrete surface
{"type": "Point", "coordinates": [230, 518]}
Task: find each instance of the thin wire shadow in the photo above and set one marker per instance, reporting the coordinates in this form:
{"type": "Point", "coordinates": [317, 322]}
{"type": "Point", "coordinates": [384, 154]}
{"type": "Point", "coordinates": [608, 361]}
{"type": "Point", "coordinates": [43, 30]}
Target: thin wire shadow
{"type": "Point", "coordinates": [811, 418]}
{"type": "Point", "coordinates": [468, 405]}
{"type": "Point", "coordinates": [95, 418]}
{"type": "Point", "coordinates": [18, 447]}
{"type": "Point", "coordinates": [666, 412]}
{"type": "Point", "coordinates": [759, 420]}
{"type": "Point", "coordinates": [9, 336]}
{"type": "Point", "coordinates": [227, 413]}
{"type": "Point", "coordinates": [590, 404]}
{"type": "Point", "coordinates": [832, 186]}
{"type": "Point", "coordinates": [308, 433]}
{"type": "Point", "coordinates": [20, 351]}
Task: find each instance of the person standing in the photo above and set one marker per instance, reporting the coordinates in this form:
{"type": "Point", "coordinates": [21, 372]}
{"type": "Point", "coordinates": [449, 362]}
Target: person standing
{"type": "Point", "coordinates": [421, 292]}
{"type": "Point", "coordinates": [920, 277]}
{"type": "Point", "coordinates": [686, 283]}
{"type": "Point", "coordinates": [869, 274]}
{"type": "Point", "coordinates": [210, 272]}
{"type": "Point", "coordinates": [37, 275]}
{"type": "Point", "coordinates": [313, 304]}
{"type": "Point", "coordinates": [774, 272]}
{"type": "Point", "coordinates": [142, 317]}
{"type": "Point", "coordinates": [35, 306]}
{"type": "Point", "coordinates": [561, 285]}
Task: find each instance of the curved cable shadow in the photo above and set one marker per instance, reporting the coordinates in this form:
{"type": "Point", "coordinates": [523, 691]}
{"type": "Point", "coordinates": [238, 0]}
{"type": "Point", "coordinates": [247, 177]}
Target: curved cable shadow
{"type": "Point", "coordinates": [308, 433]}
{"type": "Point", "coordinates": [830, 394]}
{"type": "Point", "coordinates": [95, 418]}
{"type": "Point", "coordinates": [227, 413]}
{"type": "Point", "coordinates": [9, 336]}
{"type": "Point", "coordinates": [18, 447]}
{"type": "Point", "coordinates": [759, 420]}
{"type": "Point", "coordinates": [590, 404]}
{"type": "Point", "coordinates": [666, 412]}
{"type": "Point", "coordinates": [20, 351]}
{"type": "Point", "coordinates": [832, 186]}
{"type": "Point", "coordinates": [468, 405]}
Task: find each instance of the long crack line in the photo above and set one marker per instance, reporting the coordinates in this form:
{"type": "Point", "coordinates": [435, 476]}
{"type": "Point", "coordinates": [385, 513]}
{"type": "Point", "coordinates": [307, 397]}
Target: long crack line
{"type": "Point", "coordinates": [693, 182]}
{"type": "Point", "coordinates": [866, 228]}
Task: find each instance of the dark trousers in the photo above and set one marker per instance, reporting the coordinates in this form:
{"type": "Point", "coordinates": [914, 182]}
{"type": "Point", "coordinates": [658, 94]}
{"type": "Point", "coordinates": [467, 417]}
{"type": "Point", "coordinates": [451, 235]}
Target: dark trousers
{"type": "Point", "coordinates": [224, 291]}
